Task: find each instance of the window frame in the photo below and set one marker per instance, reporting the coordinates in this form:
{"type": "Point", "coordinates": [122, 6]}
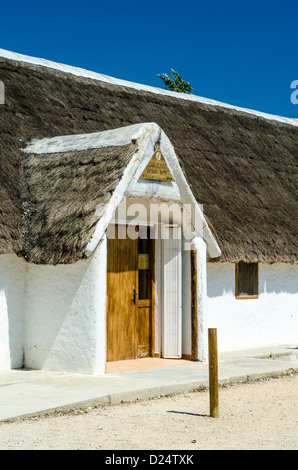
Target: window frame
{"type": "Point", "coordinates": [243, 297]}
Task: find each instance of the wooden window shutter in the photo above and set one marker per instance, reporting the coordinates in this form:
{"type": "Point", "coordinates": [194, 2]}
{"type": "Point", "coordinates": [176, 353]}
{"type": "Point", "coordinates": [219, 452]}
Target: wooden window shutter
{"type": "Point", "coordinates": [246, 280]}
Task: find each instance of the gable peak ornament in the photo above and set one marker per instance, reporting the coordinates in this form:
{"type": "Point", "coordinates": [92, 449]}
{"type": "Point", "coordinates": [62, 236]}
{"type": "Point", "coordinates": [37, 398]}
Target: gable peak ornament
{"type": "Point", "coordinates": [157, 168]}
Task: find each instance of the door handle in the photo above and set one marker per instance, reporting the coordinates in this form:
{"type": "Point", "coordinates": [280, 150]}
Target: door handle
{"type": "Point", "coordinates": [134, 297]}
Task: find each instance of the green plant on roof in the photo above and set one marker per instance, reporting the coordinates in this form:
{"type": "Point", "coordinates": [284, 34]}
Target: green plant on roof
{"type": "Point", "coordinates": [175, 83]}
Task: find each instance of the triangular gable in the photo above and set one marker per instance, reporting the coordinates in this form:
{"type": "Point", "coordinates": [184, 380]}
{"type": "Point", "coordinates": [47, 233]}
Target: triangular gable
{"type": "Point", "coordinates": [138, 149]}
{"type": "Point", "coordinates": [151, 140]}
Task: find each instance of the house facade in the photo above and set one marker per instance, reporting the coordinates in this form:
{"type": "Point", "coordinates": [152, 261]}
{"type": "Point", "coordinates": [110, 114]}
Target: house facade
{"type": "Point", "coordinates": [133, 219]}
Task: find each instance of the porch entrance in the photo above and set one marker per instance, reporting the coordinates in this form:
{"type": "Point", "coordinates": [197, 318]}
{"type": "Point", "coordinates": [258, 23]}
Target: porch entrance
{"type": "Point", "coordinates": [130, 295]}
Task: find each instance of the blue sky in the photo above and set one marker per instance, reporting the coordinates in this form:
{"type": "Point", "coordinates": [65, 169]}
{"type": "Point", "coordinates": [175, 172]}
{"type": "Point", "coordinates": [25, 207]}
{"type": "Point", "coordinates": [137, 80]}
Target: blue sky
{"type": "Point", "coordinates": [239, 52]}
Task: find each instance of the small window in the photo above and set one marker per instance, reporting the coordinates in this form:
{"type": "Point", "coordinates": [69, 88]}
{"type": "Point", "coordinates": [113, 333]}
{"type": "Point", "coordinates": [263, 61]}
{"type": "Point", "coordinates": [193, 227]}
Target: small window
{"type": "Point", "coordinates": [247, 280]}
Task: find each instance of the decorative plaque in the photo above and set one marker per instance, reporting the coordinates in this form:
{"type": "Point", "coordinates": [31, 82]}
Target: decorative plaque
{"type": "Point", "coordinates": [157, 168]}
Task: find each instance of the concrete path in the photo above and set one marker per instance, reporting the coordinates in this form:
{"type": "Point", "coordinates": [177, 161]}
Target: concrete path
{"type": "Point", "coordinates": [31, 393]}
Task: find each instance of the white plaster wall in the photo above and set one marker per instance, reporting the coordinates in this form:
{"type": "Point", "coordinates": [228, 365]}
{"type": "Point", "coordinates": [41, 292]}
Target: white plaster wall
{"type": "Point", "coordinates": [272, 319]}
{"type": "Point", "coordinates": [65, 315]}
{"type": "Point", "coordinates": [12, 274]}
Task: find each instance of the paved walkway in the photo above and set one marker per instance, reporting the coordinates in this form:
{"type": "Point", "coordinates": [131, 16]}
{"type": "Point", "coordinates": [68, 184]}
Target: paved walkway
{"type": "Point", "coordinates": [30, 393]}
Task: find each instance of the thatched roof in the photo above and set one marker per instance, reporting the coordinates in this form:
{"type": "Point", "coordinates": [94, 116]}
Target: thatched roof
{"type": "Point", "coordinates": [67, 194]}
{"type": "Point", "coordinates": [241, 166]}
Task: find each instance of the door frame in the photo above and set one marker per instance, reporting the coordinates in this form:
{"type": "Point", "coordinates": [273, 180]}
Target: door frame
{"type": "Point", "coordinates": [152, 288]}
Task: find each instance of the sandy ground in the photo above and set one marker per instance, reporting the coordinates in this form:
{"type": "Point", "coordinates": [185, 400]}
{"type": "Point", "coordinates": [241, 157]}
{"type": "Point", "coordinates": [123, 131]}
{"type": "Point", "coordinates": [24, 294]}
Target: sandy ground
{"type": "Point", "coordinates": [262, 415]}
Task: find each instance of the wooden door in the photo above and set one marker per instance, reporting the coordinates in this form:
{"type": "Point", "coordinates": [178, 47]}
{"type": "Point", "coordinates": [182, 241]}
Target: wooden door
{"type": "Point", "coordinates": [129, 309]}
{"type": "Point", "coordinates": [121, 286]}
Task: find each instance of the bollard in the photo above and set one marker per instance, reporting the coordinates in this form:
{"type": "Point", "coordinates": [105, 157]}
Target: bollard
{"type": "Point", "coordinates": [213, 372]}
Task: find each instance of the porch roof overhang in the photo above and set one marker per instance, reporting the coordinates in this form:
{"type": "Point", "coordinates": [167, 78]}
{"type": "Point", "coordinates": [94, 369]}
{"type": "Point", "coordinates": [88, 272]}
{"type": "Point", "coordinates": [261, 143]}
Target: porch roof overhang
{"type": "Point", "coordinates": [112, 160]}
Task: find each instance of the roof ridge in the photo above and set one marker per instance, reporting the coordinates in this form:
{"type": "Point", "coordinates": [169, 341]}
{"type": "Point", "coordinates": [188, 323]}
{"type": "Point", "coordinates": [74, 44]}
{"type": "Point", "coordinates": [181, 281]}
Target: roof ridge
{"type": "Point", "coordinates": [90, 140]}
{"type": "Point", "coordinates": [117, 81]}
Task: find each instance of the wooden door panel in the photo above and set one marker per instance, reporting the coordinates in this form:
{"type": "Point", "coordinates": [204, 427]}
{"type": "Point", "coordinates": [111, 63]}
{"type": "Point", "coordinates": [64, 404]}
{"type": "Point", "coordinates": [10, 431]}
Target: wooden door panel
{"type": "Point", "coordinates": [143, 328]}
{"type": "Point", "coordinates": [121, 282]}
{"type": "Point", "coordinates": [129, 325]}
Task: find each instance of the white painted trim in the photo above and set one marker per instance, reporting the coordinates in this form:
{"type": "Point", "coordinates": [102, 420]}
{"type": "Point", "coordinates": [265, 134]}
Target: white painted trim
{"type": "Point", "coordinates": [115, 81]}
{"type": "Point", "coordinates": [77, 142]}
{"type": "Point", "coordinates": [150, 132]}
{"type": "Point", "coordinates": [143, 223]}
{"type": "Point", "coordinates": [188, 197]}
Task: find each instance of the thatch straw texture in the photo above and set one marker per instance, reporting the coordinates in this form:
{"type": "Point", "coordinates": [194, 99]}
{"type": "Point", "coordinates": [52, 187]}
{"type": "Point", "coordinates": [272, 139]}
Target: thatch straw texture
{"type": "Point", "coordinates": [241, 167]}
{"type": "Point", "coordinates": [67, 193]}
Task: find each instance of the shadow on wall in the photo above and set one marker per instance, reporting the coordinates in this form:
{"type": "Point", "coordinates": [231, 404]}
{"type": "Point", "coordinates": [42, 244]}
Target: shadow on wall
{"type": "Point", "coordinates": [220, 279]}
{"type": "Point", "coordinates": [278, 278]}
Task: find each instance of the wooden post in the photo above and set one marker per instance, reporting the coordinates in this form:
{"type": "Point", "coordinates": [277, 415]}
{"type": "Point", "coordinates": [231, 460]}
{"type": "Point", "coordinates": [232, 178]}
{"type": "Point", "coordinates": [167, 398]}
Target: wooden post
{"type": "Point", "coordinates": [213, 372]}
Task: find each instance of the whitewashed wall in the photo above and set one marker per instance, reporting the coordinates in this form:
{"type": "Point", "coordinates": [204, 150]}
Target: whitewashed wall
{"type": "Point", "coordinates": [12, 276]}
{"type": "Point", "coordinates": [54, 317]}
{"type": "Point", "coordinates": [65, 315]}
{"type": "Point", "coordinates": [272, 319]}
